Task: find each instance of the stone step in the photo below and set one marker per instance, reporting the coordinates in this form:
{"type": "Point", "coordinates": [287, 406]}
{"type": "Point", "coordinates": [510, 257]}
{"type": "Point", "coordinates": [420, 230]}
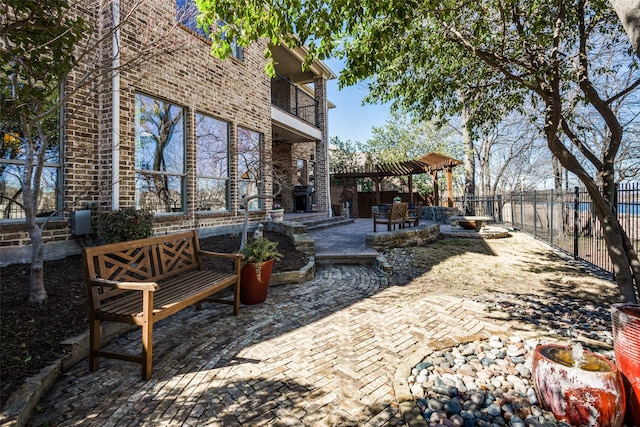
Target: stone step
{"type": "Point", "coordinates": [328, 258]}
{"type": "Point", "coordinates": [321, 224]}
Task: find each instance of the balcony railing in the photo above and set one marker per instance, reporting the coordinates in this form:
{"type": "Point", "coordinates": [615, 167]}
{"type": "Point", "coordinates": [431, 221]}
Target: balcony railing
{"type": "Point", "coordinates": [292, 99]}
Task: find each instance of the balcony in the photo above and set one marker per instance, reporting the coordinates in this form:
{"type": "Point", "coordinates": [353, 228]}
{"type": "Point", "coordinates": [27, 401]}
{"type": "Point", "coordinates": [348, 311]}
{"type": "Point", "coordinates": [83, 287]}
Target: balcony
{"type": "Point", "coordinates": [290, 98]}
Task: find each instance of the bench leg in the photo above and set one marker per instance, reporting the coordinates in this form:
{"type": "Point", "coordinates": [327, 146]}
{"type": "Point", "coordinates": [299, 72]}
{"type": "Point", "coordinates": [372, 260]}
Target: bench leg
{"type": "Point", "coordinates": [147, 350]}
{"type": "Point", "coordinates": [147, 334]}
{"type": "Point", "coordinates": [236, 297]}
{"type": "Point", "coordinates": [94, 344]}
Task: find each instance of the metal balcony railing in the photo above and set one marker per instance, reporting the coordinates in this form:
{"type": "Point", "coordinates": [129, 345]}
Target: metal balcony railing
{"type": "Point", "coordinates": [292, 99]}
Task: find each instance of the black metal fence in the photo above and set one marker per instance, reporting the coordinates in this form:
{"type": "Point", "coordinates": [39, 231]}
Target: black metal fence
{"type": "Point", "coordinates": [293, 100]}
{"type": "Point", "coordinates": [563, 219]}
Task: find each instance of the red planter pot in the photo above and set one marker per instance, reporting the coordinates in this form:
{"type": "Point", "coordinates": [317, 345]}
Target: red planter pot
{"type": "Point", "coordinates": [625, 319]}
{"type": "Point", "coordinates": [592, 395]}
{"type": "Point", "coordinates": [467, 225]}
{"type": "Point", "coordinates": [253, 287]}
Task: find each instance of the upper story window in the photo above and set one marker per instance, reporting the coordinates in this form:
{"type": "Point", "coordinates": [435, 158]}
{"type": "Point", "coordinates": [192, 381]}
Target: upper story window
{"type": "Point", "coordinates": [186, 13]}
{"type": "Point", "coordinates": [13, 161]}
{"type": "Point", "coordinates": [212, 164]}
{"type": "Point", "coordinates": [249, 167]}
{"type": "Point", "coordinates": [159, 155]}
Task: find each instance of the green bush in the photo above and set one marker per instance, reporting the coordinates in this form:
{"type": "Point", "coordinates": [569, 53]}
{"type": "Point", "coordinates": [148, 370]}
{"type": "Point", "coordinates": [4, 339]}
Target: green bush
{"type": "Point", "coordinates": [260, 250]}
{"type": "Point", "coordinates": [126, 224]}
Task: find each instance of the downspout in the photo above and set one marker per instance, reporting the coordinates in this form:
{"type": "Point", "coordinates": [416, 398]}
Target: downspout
{"type": "Point", "coordinates": [115, 106]}
{"type": "Point", "coordinates": [326, 156]}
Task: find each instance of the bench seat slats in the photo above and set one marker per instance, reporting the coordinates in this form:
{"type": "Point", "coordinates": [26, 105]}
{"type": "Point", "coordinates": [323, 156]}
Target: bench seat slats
{"type": "Point", "coordinates": [183, 291]}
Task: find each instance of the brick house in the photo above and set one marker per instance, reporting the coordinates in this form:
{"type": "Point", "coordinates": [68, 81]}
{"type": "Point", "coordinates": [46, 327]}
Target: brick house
{"type": "Point", "coordinates": [191, 135]}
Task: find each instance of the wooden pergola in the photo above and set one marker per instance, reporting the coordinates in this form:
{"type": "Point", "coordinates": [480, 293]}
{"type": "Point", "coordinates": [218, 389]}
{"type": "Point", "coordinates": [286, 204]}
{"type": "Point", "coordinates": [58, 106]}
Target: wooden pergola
{"type": "Point", "coordinates": [430, 163]}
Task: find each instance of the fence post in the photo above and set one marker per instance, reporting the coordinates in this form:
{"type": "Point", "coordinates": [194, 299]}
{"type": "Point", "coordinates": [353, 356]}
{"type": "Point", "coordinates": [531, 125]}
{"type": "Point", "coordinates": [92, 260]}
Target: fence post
{"type": "Point", "coordinates": [535, 215]}
{"type": "Point", "coordinates": [522, 210]}
{"type": "Point", "coordinates": [551, 219]}
{"type": "Point", "coordinates": [513, 211]}
{"type": "Point", "coordinates": [576, 205]}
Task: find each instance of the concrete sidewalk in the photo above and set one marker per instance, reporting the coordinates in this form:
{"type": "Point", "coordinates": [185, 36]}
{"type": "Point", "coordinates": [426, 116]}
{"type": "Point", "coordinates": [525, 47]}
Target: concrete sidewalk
{"type": "Point", "coordinates": [323, 353]}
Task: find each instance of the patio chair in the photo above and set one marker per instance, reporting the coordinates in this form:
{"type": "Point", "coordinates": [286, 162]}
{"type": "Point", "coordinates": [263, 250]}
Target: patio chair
{"type": "Point", "coordinates": [396, 216]}
{"type": "Point", "coordinates": [413, 216]}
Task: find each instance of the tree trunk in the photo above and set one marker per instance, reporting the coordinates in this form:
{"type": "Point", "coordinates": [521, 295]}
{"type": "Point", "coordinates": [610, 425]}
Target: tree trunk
{"type": "Point", "coordinates": [557, 174]}
{"type": "Point", "coordinates": [623, 262]}
{"type": "Point", "coordinates": [629, 13]}
{"type": "Point", "coordinates": [623, 257]}
{"type": "Point", "coordinates": [31, 175]}
{"type": "Point", "coordinates": [37, 292]}
{"type": "Point", "coordinates": [469, 151]}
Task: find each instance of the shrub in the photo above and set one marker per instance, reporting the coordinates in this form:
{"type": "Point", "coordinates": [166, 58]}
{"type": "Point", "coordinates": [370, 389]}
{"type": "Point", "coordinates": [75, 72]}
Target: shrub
{"type": "Point", "coordinates": [126, 224]}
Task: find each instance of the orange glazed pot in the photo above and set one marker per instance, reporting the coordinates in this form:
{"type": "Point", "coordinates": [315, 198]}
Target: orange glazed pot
{"type": "Point", "coordinates": [625, 319]}
{"type": "Point", "coordinates": [589, 395]}
{"type": "Point", "coordinates": [254, 287]}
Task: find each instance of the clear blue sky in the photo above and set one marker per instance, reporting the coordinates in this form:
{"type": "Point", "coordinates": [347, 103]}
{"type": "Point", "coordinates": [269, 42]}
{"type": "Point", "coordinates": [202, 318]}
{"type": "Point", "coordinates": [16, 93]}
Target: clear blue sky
{"type": "Point", "coordinates": [350, 120]}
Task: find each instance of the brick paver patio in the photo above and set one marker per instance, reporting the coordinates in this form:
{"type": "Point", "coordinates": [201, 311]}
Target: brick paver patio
{"type": "Point", "coordinates": [321, 353]}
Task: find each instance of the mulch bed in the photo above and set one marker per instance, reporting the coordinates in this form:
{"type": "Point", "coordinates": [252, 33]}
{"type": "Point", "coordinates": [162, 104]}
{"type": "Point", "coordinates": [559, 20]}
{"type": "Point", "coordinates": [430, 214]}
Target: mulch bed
{"type": "Point", "coordinates": [31, 335]}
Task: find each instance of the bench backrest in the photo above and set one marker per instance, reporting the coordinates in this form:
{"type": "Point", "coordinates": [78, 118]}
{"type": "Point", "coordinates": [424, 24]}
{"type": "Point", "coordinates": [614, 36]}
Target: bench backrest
{"type": "Point", "coordinates": [144, 260]}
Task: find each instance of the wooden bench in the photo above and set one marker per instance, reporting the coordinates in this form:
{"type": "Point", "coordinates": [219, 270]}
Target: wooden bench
{"type": "Point", "coordinates": [396, 216]}
{"type": "Point", "coordinates": [143, 281]}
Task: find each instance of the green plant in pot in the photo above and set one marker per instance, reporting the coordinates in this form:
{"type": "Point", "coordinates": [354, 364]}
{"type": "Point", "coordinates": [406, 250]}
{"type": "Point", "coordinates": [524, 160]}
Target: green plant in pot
{"type": "Point", "coordinates": [259, 256]}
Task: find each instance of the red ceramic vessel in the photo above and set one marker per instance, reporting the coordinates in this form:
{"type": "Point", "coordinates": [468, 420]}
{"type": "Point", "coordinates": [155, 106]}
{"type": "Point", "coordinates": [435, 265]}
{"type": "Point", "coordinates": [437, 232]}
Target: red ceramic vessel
{"type": "Point", "coordinates": [625, 319]}
{"type": "Point", "coordinates": [590, 395]}
{"type": "Point", "coordinates": [254, 289]}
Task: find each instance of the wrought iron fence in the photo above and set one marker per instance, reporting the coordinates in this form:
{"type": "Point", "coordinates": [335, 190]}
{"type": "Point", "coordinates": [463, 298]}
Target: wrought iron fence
{"type": "Point", "coordinates": [563, 219]}
{"type": "Point", "coordinates": [292, 99]}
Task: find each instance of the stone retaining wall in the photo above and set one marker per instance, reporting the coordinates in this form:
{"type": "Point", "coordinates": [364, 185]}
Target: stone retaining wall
{"type": "Point", "coordinates": [426, 232]}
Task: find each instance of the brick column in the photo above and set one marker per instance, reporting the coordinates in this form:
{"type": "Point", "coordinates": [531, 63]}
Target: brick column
{"type": "Point", "coordinates": [322, 147]}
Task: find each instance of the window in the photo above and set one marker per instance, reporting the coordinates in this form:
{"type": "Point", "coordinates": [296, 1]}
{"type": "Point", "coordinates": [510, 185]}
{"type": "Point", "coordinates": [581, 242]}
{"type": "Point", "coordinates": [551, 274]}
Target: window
{"type": "Point", "coordinates": [249, 167]}
{"type": "Point", "coordinates": [159, 155]}
{"type": "Point", "coordinates": [237, 51]}
{"type": "Point", "coordinates": [187, 12]}
{"type": "Point", "coordinates": [13, 160]}
{"type": "Point", "coordinates": [212, 164]}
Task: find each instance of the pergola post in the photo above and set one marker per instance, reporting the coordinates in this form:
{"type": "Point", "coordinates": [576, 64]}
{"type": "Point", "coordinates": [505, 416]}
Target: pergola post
{"type": "Point", "coordinates": [436, 190]}
{"type": "Point", "coordinates": [410, 188]}
{"type": "Point", "coordinates": [449, 186]}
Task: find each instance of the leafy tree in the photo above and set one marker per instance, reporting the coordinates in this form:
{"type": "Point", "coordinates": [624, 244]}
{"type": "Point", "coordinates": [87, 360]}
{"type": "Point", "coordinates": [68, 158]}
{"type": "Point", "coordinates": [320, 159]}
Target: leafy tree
{"type": "Point", "coordinates": [38, 40]}
{"type": "Point", "coordinates": [423, 53]}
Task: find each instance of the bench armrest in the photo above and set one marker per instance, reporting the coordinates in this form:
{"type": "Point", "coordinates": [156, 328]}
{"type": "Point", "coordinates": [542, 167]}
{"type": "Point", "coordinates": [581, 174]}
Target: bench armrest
{"type": "Point", "coordinates": [133, 286]}
{"type": "Point", "coordinates": [223, 255]}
